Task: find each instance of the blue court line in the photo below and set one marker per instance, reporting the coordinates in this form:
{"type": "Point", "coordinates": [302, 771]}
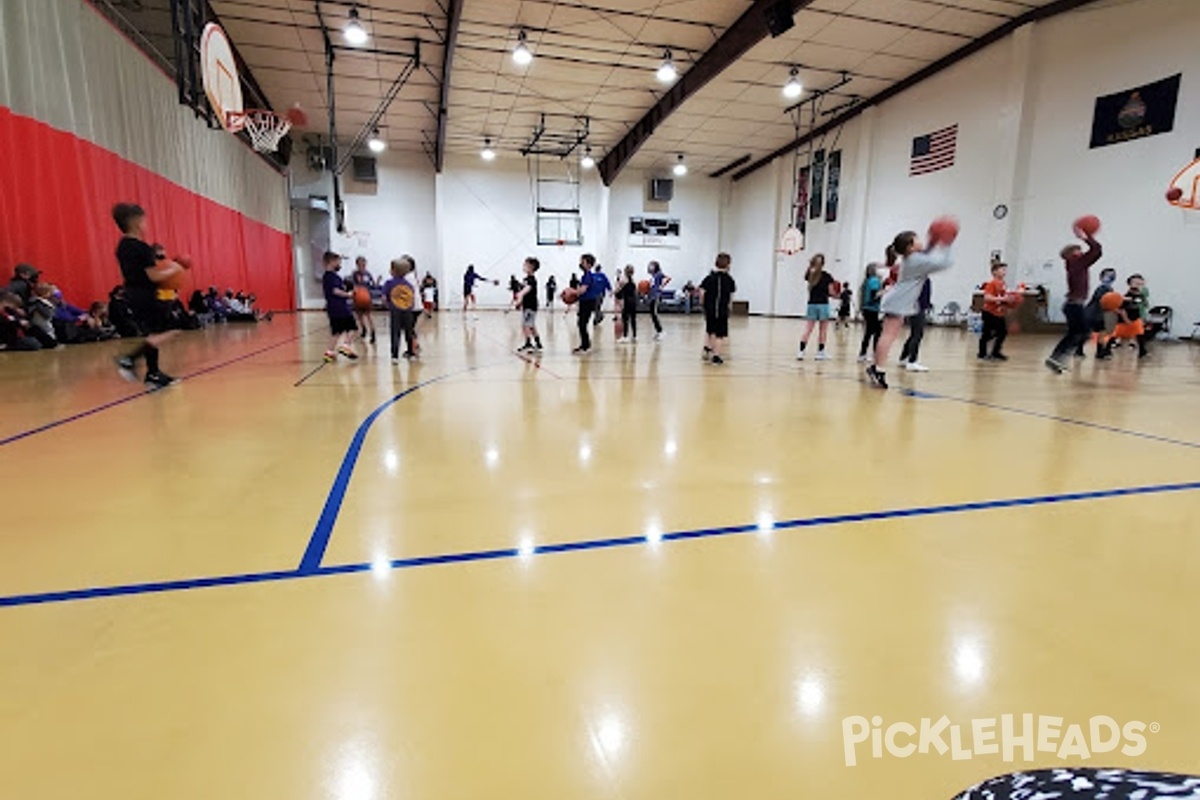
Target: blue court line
{"type": "Point", "coordinates": [16, 437]}
{"type": "Point", "coordinates": [159, 587]}
{"type": "Point", "coordinates": [319, 541]}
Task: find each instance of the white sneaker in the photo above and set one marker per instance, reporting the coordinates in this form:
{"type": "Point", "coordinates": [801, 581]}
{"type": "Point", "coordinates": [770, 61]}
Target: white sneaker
{"type": "Point", "coordinates": [800, 356]}
{"type": "Point", "coordinates": [658, 337]}
{"type": "Point", "coordinates": [822, 355]}
{"type": "Point", "coordinates": [863, 359]}
{"type": "Point", "coordinates": [913, 366]}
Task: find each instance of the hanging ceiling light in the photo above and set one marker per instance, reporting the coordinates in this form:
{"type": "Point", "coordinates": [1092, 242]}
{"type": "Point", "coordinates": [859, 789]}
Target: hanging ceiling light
{"type": "Point", "coordinates": [487, 153]}
{"type": "Point", "coordinates": [375, 143]}
{"type": "Point", "coordinates": [521, 54]}
{"type": "Point", "coordinates": [667, 72]}
{"type": "Point", "coordinates": [793, 88]}
{"type": "Point", "coordinates": [354, 32]}
{"type": "Point", "coordinates": [587, 162]}
{"type": "Point", "coordinates": [680, 167]}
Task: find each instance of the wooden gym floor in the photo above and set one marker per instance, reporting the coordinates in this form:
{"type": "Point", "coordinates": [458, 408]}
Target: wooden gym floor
{"type": "Point", "coordinates": [629, 576]}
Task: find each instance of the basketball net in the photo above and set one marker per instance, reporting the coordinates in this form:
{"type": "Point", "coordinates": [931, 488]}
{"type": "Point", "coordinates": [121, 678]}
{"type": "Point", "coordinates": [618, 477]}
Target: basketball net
{"type": "Point", "coordinates": [266, 128]}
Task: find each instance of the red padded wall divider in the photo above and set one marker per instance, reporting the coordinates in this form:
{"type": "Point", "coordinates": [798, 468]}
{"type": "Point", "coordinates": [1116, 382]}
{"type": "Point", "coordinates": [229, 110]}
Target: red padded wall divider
{"type": "Point", "coordinates": [56, 197]}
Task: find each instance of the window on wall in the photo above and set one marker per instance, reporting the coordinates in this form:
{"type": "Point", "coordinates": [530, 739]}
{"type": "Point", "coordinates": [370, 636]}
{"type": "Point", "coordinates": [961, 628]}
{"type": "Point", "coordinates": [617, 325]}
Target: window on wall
{"type": "Point", "coordinates": [559, 228]}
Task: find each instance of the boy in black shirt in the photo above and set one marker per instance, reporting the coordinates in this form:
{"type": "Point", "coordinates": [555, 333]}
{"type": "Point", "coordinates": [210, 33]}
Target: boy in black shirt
{"type": "Point", "coordinates": [527, 300]}
{"type": "Point", "coordinates": [627, 297]}
{"type": "Point", "coordinates": [716, 291]}
{"type": "Point", "coordinates": [142, 271]}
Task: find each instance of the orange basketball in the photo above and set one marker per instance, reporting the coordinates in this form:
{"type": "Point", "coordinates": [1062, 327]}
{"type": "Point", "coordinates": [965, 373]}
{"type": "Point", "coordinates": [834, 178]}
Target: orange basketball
{"type": "Point", "coordinates": [1088, 225]}
{"type": "Point", "coordinates": [362, 298]}
{"type": "Point", "coordinates": [570, 296]}
{"type": "Point", "coordinates": [174, 282]}
{"type": "Point", "coordinates": [943, 230]}
{"type": "Point", "coordinates": [643, 287]}
{"type": "Point", "coordinates": [1111, 301]}
{"type": "Point", "coordinates": [1016, 298]}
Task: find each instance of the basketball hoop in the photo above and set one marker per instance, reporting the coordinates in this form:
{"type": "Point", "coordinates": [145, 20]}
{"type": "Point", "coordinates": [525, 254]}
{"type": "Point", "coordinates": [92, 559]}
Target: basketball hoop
{"type": "Point", "coordinates": [219, 69]}
{"type": "Point", "coordinates": [266, 128]}
{"type": "Point", "coordinates": [792, 241]}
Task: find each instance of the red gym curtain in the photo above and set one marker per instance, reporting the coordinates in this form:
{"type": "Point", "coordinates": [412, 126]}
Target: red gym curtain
{"type": "Point", "coordinates": [56, 197]}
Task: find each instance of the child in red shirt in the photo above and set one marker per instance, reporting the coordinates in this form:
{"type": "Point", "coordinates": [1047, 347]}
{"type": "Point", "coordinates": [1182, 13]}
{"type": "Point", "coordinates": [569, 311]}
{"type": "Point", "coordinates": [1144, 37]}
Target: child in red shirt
{"type": "Point", "coordinates": [995, 307]}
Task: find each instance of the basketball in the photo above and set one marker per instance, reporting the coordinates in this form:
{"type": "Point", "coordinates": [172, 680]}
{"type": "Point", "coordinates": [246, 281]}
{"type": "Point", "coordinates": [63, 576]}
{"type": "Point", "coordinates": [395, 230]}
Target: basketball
{"type": "Point", "coordinates": [1174, 194]}
{"type": "Point", "coordinates": [569, 296]}
{"type": "Point", "coordinates": [1015, 299]}
{"type": "Point", "coordinates": [643, 288]}
{"type": "Point", "coordinates": [362, 298]}
{"type": "Point", "coordinates": [1088, 225]}
{"type": "Point", "coordinates": [296, 116]}
{"type": "Point", "coordinates": [943, 230]}
{"type": "Point", "coordinates": [174, 282]}
{"type": "Point", "coordinates": [1111, 301]}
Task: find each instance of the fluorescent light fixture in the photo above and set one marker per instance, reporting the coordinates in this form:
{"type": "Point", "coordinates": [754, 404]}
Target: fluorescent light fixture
{"type": "Point", "coordinates": [487, 153]}
{"type": "Point", "coordinates": [680, 167]}
{"type": "Point", "coordinates": [587, 162]}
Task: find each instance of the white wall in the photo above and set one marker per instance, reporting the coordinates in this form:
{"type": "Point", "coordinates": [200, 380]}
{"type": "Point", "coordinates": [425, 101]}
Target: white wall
{"type": "Point", "coordinates": [1024, 109]}
{"type": "Point", "coordinates": [696, 204]}
{"type": "Point", "coordinates": [483, 214]}
{"type": "Point", "coordinates": [749, 233]}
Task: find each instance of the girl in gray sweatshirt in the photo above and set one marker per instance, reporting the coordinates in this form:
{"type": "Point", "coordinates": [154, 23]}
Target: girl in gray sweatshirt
{"type": "Point", "coordinates": [902, 298]}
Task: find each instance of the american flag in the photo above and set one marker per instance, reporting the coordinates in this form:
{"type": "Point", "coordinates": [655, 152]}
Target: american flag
{"type": "Point", "coordinates": [933, 151]}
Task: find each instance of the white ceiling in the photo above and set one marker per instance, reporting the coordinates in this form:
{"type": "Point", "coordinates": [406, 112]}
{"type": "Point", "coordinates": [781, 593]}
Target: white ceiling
{"type": "Point", "coordinates": [594, 59]}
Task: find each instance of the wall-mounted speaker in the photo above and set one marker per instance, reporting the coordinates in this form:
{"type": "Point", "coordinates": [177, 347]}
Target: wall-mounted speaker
{"type": "Point", "coordinates": [364, 169]}
{"type": "Point", "coordinates": [780, 17]}
{"type": "Point", "coordinates": [662, 190]}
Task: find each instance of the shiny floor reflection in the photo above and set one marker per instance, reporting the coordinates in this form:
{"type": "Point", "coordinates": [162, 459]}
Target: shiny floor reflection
{"type": "Point", "coordinates": [711, 667]}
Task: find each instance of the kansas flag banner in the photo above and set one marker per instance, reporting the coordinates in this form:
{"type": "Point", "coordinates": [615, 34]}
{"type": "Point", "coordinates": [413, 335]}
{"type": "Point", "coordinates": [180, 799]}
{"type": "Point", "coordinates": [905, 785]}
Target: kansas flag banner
{"type": "Point", "coordinates": [1134, 114]}
{"type": "Point", "coordinates": [934, 151]}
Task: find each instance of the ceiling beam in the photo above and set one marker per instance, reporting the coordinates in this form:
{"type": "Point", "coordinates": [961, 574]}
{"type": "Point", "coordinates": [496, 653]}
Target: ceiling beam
{"type": "Point", "coordinates": [453, 17]}
{"type": "Point", "coordinates": [749, 29]}
{"type": "Point", "coordinates": [996, 34]}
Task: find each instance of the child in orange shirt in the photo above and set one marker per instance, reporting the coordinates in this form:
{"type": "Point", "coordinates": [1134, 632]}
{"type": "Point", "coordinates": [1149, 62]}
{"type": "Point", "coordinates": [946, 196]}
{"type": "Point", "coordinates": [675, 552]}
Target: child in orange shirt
{"type": "Point", "coordinates": [995, 307]}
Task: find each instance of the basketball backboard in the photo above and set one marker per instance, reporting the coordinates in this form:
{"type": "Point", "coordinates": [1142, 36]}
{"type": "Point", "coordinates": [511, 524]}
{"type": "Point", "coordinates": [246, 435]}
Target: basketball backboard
{"type": "Point", "coordinates": [1188, 184]}
{"type": "Point", "coordinates": [221, 82]}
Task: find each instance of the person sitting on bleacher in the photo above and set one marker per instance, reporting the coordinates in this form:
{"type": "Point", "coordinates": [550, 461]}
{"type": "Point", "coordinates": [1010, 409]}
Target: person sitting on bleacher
{"type": "Point", "coordinates": [15, 328]}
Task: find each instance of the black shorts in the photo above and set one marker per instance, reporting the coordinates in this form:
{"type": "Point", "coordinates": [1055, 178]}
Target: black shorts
{"type": "Point", "coordinates": [152, 314]}
{"type": "Point", "coordinates": [716, 326]}
{"type": "Point", "coordinates": [340, 325]}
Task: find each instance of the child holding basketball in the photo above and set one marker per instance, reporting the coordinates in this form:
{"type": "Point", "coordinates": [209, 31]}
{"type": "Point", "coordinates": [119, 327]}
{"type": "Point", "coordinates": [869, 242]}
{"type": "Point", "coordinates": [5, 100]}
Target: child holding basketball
{"type": "Point", "coordinates": [337, 308]}
{"type": "Point", "coordinates": [363, 282]}
{"type": "Point", "coordinates": [143, 272]}
{"type": "Point", "coordinates": [469, 280]}
{"type": "Point", "coordinates": [901, 301]}
{"type": "Point", "coordinates": [527, 300]}
{"type": "Point", "coordinates": [1077, 262]}
{"type": "Point", "coordinates": [995, 308]}
{"type": "Point", "coordinates": [716, 292]}
{"type": "Point", "coordinates": [819, 283]}
{"type": "Point", "coordinates": [400, 296]}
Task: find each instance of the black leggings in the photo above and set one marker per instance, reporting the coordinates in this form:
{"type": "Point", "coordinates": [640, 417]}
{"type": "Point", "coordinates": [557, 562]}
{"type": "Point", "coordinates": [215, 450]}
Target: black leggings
{"type": "Point", "coordinates": [916, 332]}
{"type": "Point", "coordinates": [994, 327]}
{"type": "Point", "coordinates": [587, 309]}
{"type": "Point", "coordinates": [654, 315]}
{"type": "Point", "coordinates": [629, 319]}
{"type": "Point", "coordinates": [403, 321]}
{"type": "Point", "coordinates": [874, 327]}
